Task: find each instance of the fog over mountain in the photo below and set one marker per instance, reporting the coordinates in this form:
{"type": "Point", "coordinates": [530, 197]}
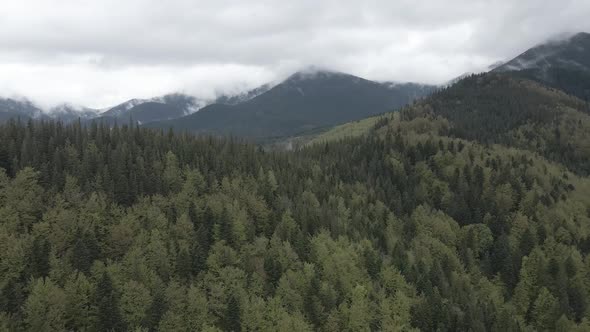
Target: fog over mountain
{"type": "Point", "coordinates": [103, 53]}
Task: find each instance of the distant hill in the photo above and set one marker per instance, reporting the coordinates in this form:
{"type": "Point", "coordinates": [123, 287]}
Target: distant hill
{"type": "Point", "coordinates": [167, 107]}
{"type": "Point", "coordinates": [304, 101]}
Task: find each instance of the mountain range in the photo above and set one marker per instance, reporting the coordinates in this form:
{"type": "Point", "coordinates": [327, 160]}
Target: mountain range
{"type": "Point", "coordinates": [304, 101]}
{"type": "Point", "coordinates": [313, 99]}
{"type": "Point", "coordinates": [11, 108]}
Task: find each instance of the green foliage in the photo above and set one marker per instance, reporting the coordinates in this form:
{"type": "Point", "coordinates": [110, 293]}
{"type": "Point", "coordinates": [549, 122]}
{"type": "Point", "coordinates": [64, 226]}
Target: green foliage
{"type": "Point", "coordinates": [350, 129]}
{"type": "Point", "coordinates": [407, 227]}
{"type": "Point", "coordinates": [45, 307]}
{"type": "Point", "coordinates": [505, 109]}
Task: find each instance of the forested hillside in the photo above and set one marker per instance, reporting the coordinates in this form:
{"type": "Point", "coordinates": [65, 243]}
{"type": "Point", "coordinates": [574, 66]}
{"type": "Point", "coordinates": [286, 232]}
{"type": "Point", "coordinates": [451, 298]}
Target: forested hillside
{"type": "Point", "coordinates": [574, 82]}
{"type": "Point", "coordinates": [406, 228]}
{"type": "Point", "coordinates": [502, 109]}
{"type": "Point", "coordinates": [497, 108]}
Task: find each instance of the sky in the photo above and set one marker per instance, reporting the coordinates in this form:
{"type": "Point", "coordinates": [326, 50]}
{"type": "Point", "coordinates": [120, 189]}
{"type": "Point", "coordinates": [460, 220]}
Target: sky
{"type": "Point", "coordinates": [99, 53]}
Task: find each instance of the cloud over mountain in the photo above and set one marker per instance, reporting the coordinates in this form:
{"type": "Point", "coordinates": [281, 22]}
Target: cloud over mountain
{"type": "Point", "coordinates": [100, 53]}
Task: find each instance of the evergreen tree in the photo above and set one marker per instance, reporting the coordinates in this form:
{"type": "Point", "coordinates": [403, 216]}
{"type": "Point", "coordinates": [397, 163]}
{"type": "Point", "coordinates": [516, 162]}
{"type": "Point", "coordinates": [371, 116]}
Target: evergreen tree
{"type": "Point", "coordinates": [39, 263]}
{"type": "Point", "coordinates": [108, 311]}
{"type": "Point", "coordinates": [232, 320]}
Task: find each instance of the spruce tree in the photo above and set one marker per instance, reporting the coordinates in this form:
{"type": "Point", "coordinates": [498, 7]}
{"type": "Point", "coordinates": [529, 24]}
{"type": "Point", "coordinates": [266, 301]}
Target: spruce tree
{"type": "Point", "coordinates": [107, 303]}
{"type": "Point", "coordinates": [232, 320]}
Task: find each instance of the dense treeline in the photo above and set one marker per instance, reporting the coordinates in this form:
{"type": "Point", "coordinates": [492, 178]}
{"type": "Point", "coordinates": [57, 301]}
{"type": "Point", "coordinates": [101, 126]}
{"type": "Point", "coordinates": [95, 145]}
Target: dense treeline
{"type": "Point", "coordinates": [406, 229]}
{"type": "Point", "coordinates": [574, 82]}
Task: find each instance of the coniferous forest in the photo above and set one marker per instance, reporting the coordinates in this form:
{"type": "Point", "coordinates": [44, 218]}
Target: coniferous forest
{"type": "Point", "coordinates": [431, 221]}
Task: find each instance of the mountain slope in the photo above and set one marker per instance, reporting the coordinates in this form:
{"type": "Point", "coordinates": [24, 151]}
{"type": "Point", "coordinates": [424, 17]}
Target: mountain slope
{"type": "Point", "coordinates": [564, 65]}
{"type": "Point", "coordinates": [167, 107]}
{"type": "Point", "coordinates": [24, 109]}
{"type": "Point", "coordinates": [68, 113]}
{"type": "Point", "coordinates": [304, 101]}
{"type": "Point", "coordinates": [499, 108]}
{"type": "Point", "coordinates": [123, 108]}
{"type": "Point", "coordinates": [496, 108]}
{"type": "Point", "coordinates": [570, 53]}
{"type": "Point", "coordinates": [153, 111]}
{"type": "Point", "coordinates": [244, 96]}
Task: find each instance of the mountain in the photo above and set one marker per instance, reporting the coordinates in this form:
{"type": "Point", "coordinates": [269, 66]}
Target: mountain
{"type": "Point", "coordinates": [496, 65]}
{"type": "Point", "coordinates": [167, 107]}
{"type": "Point", "coordinates": [123, 108]}
{"type": "Point", "coordinates": [571, 53]}
{"type": "Point", "coordinates": [304, 101]}
{"type": "Point", "coordinates": [21, 108]}
{"type": "Point", "coordinates": [229, 99]}
{"type": "Point", "coordinates": [143, 111]}
{"type": "Point", "coordinates": [181, 102]}
{"type": "Point", "coordinates": [68, 113]}
{"type": "Point", "coordinates": [307, 100]}
{"type": "Point", "coordinates": [499, 108]}
{"type": "Point", "coordinates": [563, 64]}
{"type": "Point", "coordinates": [412, 90]}
{"type": "Point", "coordinates": [457, 79]}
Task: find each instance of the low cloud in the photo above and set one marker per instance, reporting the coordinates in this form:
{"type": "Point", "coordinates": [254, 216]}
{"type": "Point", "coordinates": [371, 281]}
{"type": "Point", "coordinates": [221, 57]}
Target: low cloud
{"type": "Point", "coordinates": [99, 53]}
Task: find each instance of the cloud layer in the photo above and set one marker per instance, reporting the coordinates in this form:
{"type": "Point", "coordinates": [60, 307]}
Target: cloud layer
{"type": "Point", "coordinates": [99, 53]}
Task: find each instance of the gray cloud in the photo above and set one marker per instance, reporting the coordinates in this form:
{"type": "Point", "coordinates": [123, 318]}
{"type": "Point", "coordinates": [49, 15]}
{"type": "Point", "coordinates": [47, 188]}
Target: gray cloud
{"type": "Point", "coordinates": [99, 53]}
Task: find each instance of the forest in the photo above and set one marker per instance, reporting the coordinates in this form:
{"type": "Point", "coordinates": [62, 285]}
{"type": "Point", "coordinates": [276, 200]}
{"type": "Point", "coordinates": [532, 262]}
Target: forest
{"type": "Point", "coordinates": [429, 222]}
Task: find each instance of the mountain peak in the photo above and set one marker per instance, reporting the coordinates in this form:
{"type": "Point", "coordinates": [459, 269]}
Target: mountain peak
{"type": "Point", "coordinates": [315, 72]}
{"type": "Point", "coordinates": [71, 108]}
{"type": "Point", "coordinates": [581, 38]}
{"type": "Point", "coordinates": [581, 35]}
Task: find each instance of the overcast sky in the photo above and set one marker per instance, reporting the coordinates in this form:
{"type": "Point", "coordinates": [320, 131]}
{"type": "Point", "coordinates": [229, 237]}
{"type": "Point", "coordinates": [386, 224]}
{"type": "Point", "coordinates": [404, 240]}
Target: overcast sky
{"type": "Point", "coordinates": [102, 52]}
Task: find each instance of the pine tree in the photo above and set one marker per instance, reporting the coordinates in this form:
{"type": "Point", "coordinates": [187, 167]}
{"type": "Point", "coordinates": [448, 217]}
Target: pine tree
{"type": "Point", "coordinates": [85, 251]}
{"type": "Point", "coordinates": [545, 310]}
{"type": "Point", "coordinates": [184, 267]}
{"type": "Point", "coordinates": [232, 320]}
{"type": "Point", "coordinates": [156, 310]}
{"type": "Point", "coordinates": [224, 228]}
{"type": "Point", "coordinates": [203, 240]}
{"type": "Point", "coordinates": [192, 214]}
{"type": "Point", "coordinates": [107, 302]}
{"type": "Point", "coordinates": [39, 263]}
{"type": "Point", "coordinates": [273, 270]}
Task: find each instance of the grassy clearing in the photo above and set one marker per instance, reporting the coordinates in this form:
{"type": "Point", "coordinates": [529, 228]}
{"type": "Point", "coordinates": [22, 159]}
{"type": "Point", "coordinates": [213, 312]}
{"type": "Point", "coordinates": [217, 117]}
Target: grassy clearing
{"type": "Point", "coordinates": [350, 129]}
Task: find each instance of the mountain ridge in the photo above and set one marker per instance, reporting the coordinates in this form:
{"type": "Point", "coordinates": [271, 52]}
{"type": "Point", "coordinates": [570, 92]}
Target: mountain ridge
{"type": "Point", "coordinates": [563, 65]}
{"type": "Point", "coordinates": [568, 53]}
{"type": "Point", "coordinates": [303, 101]}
